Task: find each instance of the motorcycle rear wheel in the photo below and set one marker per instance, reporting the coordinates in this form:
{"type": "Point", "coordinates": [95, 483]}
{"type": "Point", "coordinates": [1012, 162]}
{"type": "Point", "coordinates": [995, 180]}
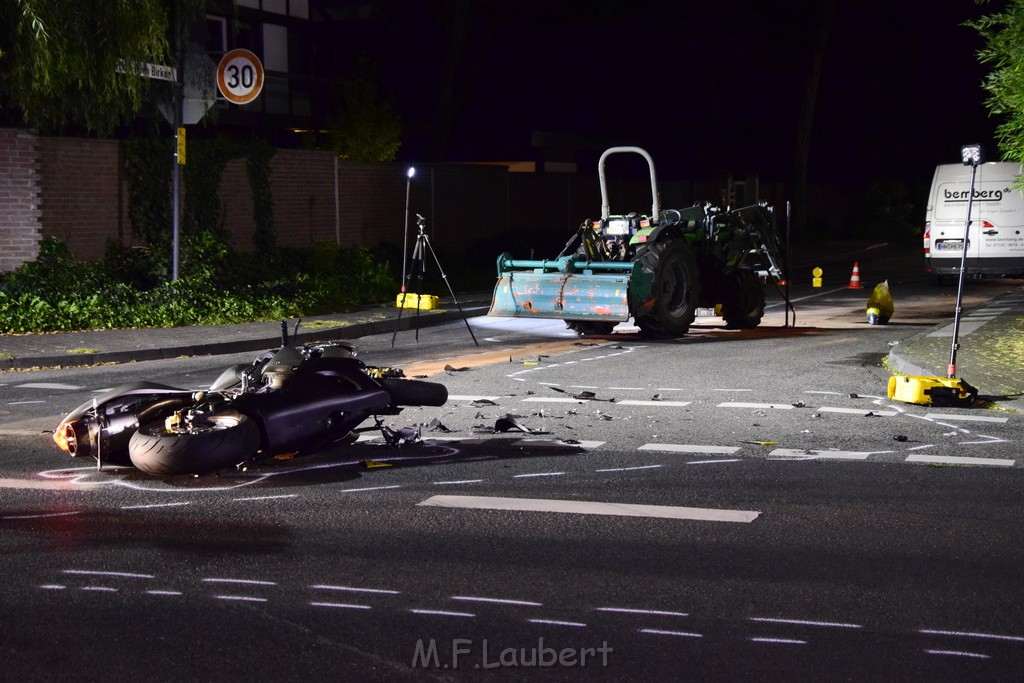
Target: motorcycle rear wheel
{"type": "Point", "coordinates": [222, 440]}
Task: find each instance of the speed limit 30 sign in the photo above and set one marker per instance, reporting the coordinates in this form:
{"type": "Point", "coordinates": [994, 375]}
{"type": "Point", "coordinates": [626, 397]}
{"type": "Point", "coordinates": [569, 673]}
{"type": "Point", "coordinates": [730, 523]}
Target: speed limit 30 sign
{"type": "Point", "coordinates": [240, 76]}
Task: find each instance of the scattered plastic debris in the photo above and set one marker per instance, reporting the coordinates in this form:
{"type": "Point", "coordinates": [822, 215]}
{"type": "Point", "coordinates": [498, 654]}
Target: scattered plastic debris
{"type": "Point", "coordinates": [510, 423]}
{"type": "Point", "coordinates": [401, 436]}
{"type": "Point", "coordinates": [762, 443]}
{"type": "Point", "coordinates": [435, 425]}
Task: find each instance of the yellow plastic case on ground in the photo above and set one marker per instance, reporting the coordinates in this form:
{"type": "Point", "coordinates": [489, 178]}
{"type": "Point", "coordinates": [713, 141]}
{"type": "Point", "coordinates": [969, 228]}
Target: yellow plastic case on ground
{"type": "Point", "coordinates": [937, 391]}
{"type": "Point", "coordinates": [425, 302]}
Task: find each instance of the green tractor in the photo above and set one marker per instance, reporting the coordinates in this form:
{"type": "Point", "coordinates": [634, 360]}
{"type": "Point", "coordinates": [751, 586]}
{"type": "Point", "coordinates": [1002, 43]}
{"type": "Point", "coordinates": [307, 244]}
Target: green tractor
{"type": "Point", "coordinates": [657, 269]}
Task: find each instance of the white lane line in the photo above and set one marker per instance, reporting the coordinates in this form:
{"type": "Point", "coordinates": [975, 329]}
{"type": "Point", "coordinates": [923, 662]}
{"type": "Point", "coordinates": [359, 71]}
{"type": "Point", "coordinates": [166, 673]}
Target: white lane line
{"type": "Point", "coordinates": [713, 462]}
{"type": "Point", "coordinates": [970, 634]}
{"type": "Point", "coordinates": [956, 653]}
{"type": "Point", "coordinates": [339, 605]}
{"type": "Point", "coordinates": [649, 612]}
{"type": "Point", "coordinates": [809, 453]}
{"type": "Point", "coordinates": [171, 593]}
{"type": "Point", "coordinates": [966, 418]}
{"type": "Point", "coordinates": [630, 469]}
{"type": "Point", "coordinates": [121, 575]}
{"type": "Point", "coordinates": [240, 598]}
{"type": "Point", "coordinates": [284, 495]}
{"type": "Point", "coordinates": [466, 397]}
{"type": "Point", "coordinates": [626, 388]}
{"type": "Point", "coordinates": [591, 508]}
{"type": "Point", "coordinates": [804, 622]}
{"type": "Point", "coordinates": [556, 622]}
{"type": "Point", "coordinates": [22, 403]}
{"type": "Point", "coordinates": [52, 587]}
{"type": "Point", "coordinates": [48, 385]}
{"type": "Point", "coordinates": [778, 641]}
{"type": "Point", "coordinates": [959, 460]}
{"type": "Point", "coordinates": [858, 411]}
{"type": "Point", "coordinates": [689, 448]}
{"type": "Point", "coordinates": [245, 582]}
{"type": "Point", "coordinates": [658, 404]}
{"type": "Point", "coordinates": [99, 589]}
{"type": "Point", "coordinates": [679, 634]}
{"type": "Point", "coordinates": [460, 481]}
{"type": "Point", "coordinates": [497, 601]}
{"type": "Point", "coordinates": [355, 589]}
{"type": "Point", "coordinates": [538, 474]}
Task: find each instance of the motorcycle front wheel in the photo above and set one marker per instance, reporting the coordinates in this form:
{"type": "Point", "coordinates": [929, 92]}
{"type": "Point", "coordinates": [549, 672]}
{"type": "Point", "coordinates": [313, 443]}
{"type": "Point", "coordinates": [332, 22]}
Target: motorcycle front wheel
{"type": "Point", "coordinates": [221, 440]}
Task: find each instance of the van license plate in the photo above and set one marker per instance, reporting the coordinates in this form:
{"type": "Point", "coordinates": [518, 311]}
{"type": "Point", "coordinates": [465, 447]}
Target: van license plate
{"type": "Point", "coordinates": [949, 245]}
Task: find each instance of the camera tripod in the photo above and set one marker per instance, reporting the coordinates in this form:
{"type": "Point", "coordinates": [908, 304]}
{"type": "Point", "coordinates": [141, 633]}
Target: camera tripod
{"type": "Point", "coordinates": [418, 266]}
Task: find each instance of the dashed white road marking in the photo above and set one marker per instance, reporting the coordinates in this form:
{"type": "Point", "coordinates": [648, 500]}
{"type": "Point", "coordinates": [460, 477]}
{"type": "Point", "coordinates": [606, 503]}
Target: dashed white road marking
{"type": "Point", "coordinates": [591, 508]}
{"type": "Point", "coordinates": [858, 411]}
{"type": "Point", "coordinates": [957, 653]}
{"type": "Point", "coordinates": [48, 385]}
{"type": "Point", "coordinates": [467, 397]}
{"type": "Point", "coordinates": [804, 622]}
{"type": "Point", "coordinates": [960, 460]}
{"type": "Point", "coordinates": [970, 634]}
{"type": "Point", "coordinates": [646, 612]}
{"type": "Point", "coordinates": [96, 572]}
{"type": "Point", "coordinates": [340, 605]}
{"type": "Point", "coordinates": [443, 613]}
{"type": "Point", "coordinates": [763, 406]}
{"type": "Point", "coordinates": [966, 418]}
{"type": "Point", "coordinates": [689, 448]}
{"type": "Point", "coordinates": [497, 601]}
{"type": "Point", "coordinates": [810, 453]}
{"type": "Point", "coordinates": [678, 634]}
{"type": "Point", "coordinates": [659, 404]}
{"type": "Point", "coordinates": [778, 641]}
{"type": "Point", "coordinates": [355, 589]}
{"type": "Point", "coordinates": [557, 622]}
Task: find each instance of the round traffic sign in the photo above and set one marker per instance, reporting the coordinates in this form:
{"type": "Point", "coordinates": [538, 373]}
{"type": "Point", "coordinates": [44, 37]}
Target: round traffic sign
{"type": "Point", "coordinates": [240, 76]}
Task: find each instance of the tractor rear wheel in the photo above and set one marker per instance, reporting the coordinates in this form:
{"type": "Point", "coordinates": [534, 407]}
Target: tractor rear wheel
{"type": "Point", "coordinates": [743, 307]}
{"type": "Point", "coordinates": [675, 289]}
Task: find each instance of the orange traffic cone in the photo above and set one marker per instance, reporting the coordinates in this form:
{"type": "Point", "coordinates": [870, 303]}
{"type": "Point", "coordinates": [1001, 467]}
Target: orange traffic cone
{"type": "Point", "coordinates": [855, 278]}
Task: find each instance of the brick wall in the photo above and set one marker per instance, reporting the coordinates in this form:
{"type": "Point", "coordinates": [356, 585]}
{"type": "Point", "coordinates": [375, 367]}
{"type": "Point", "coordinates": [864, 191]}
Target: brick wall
{"type": "Point", "coordinates": [74, 189]}
{"type": "Point", "coordinates": [83, 198]}
{"type": "Point", "coordinates": [19, 198]}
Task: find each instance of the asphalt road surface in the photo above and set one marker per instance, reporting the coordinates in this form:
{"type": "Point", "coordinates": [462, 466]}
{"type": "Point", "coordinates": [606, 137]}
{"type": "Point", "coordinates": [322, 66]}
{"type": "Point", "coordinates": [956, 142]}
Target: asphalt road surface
{"type": "Point", "coordinates": [734, 505]}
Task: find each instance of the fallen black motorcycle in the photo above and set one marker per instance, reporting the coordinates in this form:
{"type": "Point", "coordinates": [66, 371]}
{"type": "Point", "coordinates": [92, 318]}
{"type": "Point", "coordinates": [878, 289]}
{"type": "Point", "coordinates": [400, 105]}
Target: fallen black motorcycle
{"type": "Point", "coordinates": [294, 400]}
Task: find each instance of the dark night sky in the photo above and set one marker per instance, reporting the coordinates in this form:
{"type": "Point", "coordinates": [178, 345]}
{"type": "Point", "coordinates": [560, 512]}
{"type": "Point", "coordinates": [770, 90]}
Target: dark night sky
{"type": "Point", "coordinates": [706, 87]}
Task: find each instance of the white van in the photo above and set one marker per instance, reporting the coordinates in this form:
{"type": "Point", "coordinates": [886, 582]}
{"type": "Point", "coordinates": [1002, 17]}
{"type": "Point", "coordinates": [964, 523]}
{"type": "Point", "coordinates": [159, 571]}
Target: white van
{"type": "Point", "coordinates": [995, 243]}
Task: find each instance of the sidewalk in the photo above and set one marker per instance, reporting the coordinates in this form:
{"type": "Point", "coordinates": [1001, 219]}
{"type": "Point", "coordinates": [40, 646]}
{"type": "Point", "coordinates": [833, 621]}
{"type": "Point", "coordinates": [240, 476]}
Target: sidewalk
{"type": "Point", "coordinates": [991, 354]}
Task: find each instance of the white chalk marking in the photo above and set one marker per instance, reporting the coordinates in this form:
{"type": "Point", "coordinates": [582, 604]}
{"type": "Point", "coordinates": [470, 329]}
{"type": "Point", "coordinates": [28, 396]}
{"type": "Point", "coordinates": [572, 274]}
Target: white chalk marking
{"type": "Point", "coordinates": [970, 634]}
{"type": "Point", "coordinates": [442, 613]}
{"type": "Point", "coordinates": [651, 612]}
{"type": "Point", "coordinates": [246, 582]}
{"type": "Point", "coordinates": [630, 469]}
{"type": "Point", "coordinates": [805, 622]}
{"type": "Point", "coordinates": [679, 634]}
{"type": "Point", "coordinates": [555, 622]}
{"type": "Point", "coordinates": [355, 589]}
{"type": "Point", "coordinates": [591, 508]}
{"type": "Point", "coordinates": [497, 601]}
{"type": "Point", "coordinates": [122, 575]}
{"type": "Point", "coordinates": [956, 653]}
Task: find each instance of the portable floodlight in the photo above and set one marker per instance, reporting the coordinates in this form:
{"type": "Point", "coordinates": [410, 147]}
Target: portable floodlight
{"type": "Point", "coordinates": [405, 228]}
{"type": "Point", "coordinates": [971, 155]}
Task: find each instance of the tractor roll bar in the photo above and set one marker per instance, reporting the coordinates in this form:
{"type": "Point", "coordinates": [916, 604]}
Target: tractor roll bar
{"type": "Point", "coordinates": [605, 208]}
